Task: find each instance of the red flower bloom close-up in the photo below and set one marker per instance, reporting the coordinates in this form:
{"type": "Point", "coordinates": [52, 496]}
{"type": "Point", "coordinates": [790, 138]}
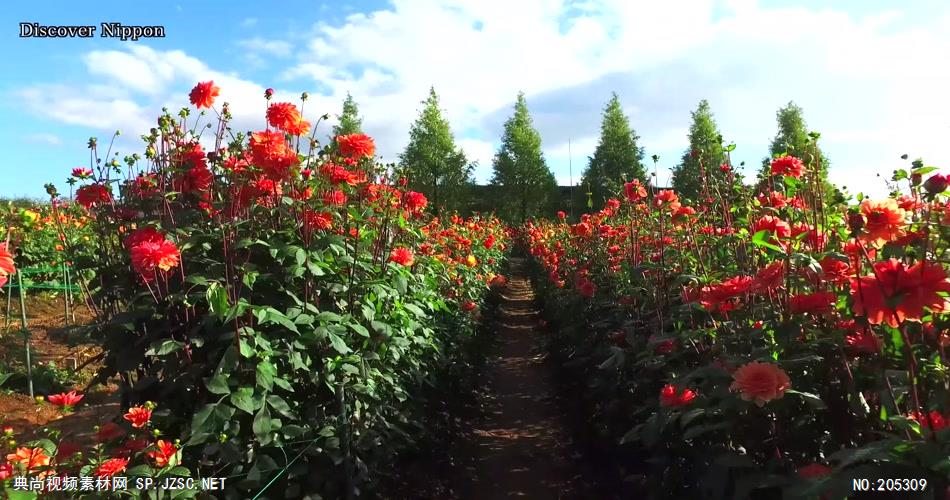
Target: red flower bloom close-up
{"type": "Point", "coordinates": [787, 165]}
{"type": "Point", "coordinates": [151, 257]}
{"type": "Point", "coordinates": [138, 416]}
{"type": "Point", "coordinates": [760, 382]}
{"type": "Point", "coordinates": [203, 94]}
{"type": "Point", "coordinates": [356, 146]}
{"type": "Point", "coordinates": [111, 467]}
{"type": "Point", "coordinates": [402, 256]}
{"type": "Point", "coordinates": [895, 293]}
{"type": "Point", "coordinates": [93, 195]}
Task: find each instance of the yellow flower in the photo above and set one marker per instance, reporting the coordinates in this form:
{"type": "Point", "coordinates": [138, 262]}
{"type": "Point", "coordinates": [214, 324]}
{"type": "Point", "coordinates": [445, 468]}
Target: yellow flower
{"type": "Point", "coordinates": [471, 261]}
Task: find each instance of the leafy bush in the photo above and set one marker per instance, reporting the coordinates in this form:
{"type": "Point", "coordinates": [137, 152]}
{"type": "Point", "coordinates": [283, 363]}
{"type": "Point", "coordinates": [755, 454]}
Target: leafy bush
{"type": "Point", "coordinates": [283, 301]}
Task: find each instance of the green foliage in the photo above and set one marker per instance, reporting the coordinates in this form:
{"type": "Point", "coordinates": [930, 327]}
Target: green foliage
{"type": "Point", "coordinates": [794, 139]}
{"type": "Point", "coordinates": [699, 168]}
{"type": "Point", "coordinates": [617, 158]}
{"type": "Point", "coordinates": [527, 185]}
{"type": "Point", "coordinates": [349, 122]}
{"type": "Point", "coordinates": [434, 165]}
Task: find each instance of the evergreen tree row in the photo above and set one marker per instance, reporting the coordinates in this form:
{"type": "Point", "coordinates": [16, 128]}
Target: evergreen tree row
{"type": "Point", "coordinates": [522, 186]}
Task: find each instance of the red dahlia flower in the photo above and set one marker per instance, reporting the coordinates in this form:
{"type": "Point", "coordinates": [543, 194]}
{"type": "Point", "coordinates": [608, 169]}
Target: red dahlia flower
{"type": "Point", "coordinates": [813, 303]}
{"type": "Point", "coordinates": [760, 382]}
{"type": "Point", "coordinates": [672, 398]}
{"type": "Point", "coordinates": [402, 256]}
{"type": "Point", "coordinates": [634, 191]}
{"type": "Point", "coordinates": [317, 220]}
{"type": "Point", "coordinates": [894, 293]}
{"type": "Point", "coordinates": [112, 467]}
{"type": "Point", "coordinates": [282, 115]}
{"type": "Point", "coordinates": [138, 416]}
{"type": "Point", "coordinates": [92, 195]}
{"type": "Point", "coordinates": [66, 400]}
{"type": "Point", "coordinates": [885, 221]}
{"type": "Point", "coordinates": [163, 453]}
{"type": "Point", "coordinates": [150, 257]}
{"type": "Point", "coordinates": [82, 173]}
{"type": "Point", "coordinates": [202, 96]}
{"type": "Point", "coordinates": [787, 165]}
{"type": "Point", "coordinates": [356, 146]}
{"type": "Point", "coordinates": [142, 235]}
{"type": "Point", "coordinates": [6, 264]}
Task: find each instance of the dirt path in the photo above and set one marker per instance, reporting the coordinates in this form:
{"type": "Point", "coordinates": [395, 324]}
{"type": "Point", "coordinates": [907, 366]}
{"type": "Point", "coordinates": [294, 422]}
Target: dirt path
{"type": "Point", "coordinates": [521, 449]}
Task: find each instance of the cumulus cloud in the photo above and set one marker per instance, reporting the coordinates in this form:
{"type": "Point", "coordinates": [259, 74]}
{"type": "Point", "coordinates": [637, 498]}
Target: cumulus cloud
{"type": "Point", "coordinates": [870, 80]}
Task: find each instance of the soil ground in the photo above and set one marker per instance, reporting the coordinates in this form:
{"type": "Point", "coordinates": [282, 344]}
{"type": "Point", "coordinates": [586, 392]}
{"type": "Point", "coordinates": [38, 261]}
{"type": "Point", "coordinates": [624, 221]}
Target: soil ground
{"type": "Point", "coordinates": [51, 341]}
{"type": "Point", "coordinates": [520, 446]}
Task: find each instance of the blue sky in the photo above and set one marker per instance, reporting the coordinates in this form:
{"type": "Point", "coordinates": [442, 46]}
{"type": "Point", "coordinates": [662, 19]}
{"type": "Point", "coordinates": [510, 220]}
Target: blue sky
{"type": "Point", "coordinates": [872, 76]}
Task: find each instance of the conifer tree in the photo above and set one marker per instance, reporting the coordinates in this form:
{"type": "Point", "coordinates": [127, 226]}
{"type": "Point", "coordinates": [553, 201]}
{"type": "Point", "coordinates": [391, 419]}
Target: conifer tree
{"type": "Point", "coordinates": [617, 158]}
{"type": "Point", "coordinates": [349, 121]}
{"type": "Point", "coordinates": [793, 139]}
{"type": "Point", "coordinates": [525, 184]}
{"type": "Point", "coordinates": [434, 165]}
{"type": "Point", "coordinates": [702, 160]}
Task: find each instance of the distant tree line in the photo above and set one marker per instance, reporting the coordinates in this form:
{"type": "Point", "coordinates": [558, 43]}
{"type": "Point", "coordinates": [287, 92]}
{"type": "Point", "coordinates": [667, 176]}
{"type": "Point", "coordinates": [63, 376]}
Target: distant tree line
{"type": "Point", "coordinates": [522, 185]}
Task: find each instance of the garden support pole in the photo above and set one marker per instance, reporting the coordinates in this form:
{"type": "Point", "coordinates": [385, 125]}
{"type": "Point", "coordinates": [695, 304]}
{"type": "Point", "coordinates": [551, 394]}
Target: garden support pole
{"type": "Point", "coordinates": [26, 333]}
{"type": "Point", "coordinates": [6, 327]}
{"type": "Point", "coordinates": [347, 461]}
{"type": "Point", "coordinates": [65, 295]}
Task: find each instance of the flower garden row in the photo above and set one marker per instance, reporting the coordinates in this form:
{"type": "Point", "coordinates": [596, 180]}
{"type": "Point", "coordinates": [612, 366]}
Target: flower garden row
{"type": "Point", "coordinates": [759, 343]}
{"type": "Point", "coordinates": [278, 307]}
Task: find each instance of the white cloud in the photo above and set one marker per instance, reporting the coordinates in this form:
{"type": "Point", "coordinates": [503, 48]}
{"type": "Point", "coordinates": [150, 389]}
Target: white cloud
{"type": "Point", "coordinates": [249, 22]}
{"type": "Point", "coordinates": [872, 82]}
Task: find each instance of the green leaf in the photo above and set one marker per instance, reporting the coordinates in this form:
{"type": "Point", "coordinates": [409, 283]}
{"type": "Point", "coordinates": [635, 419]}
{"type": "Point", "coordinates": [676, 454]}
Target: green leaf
{"type": "Point", "coordinates": [401, 284]}
{"type": "Point", "coordinates": [164, 347]}
{"type": "Point", "coordinates": [315, 268]}
{"type": "Point", "coordinates": [246, 350]}
{"type": "Point", "coordinates": [759, 240]}
{"type": "Point", "coordinates": [360, 329]}
{"type": "Point", "coordinates": [415, 310]}
{"type": "Point", "coordinates": [218, 384]}
{"type": "Point", "coordinates": [243, 399]}
{"type": "Point", "coordinates": [262, 425]}
{"type": "Point", "coordinates": [338, 343]}
{"type": "Point", "coordinates": [924, 170]}
{"type": "Point", "coordinates": [265, 375]}
{"type": "Point", "coordinates": [276, 402]}
{"type": "Point", "coordinates": [217, 297]}
{"type": "Point", "coordinates": [301, 256]}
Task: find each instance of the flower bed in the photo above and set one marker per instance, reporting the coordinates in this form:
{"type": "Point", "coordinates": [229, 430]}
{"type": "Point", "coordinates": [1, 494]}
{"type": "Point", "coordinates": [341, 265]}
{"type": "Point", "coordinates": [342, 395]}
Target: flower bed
{"type": "Point", "coordinates": [759, 344]}
{"type": "Point", "coordinates": [285, 303]}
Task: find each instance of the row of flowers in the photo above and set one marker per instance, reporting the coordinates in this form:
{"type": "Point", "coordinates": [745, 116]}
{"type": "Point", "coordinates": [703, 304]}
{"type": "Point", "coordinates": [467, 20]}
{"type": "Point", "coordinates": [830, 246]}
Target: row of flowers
{"type": "Point", "coordinates": [759, 336]}
{"type": "Point", "coordinates": [131, 447]}
{"type": "Point", "coordinates": [236, 273]}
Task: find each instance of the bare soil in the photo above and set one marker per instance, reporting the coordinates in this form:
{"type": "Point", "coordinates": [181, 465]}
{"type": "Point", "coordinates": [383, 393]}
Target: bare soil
{"type": "Point", "coordinates": [52, 340]}
{"type": "Point", "coordinates": [519, 446]}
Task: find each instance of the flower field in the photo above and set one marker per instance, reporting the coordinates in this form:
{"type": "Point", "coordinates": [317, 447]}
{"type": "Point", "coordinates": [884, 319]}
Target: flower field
{"type": "Point", "coordinates": [770, 343]}
{"type": "Point", "coordinates": [269, 306]}
{"type": "Point", "coordinates": [285, 314]}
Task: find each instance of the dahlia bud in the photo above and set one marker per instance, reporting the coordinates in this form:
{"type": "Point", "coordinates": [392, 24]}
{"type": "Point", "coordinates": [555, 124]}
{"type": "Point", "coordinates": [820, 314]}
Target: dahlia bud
{"type": "Point", "coordinates": [725, 167]}
{"type": "Point", "coordinates": [304, 96]}
{"type": "Point", "coordinates": [936, 184]}
{"type": "Point", "coordinates": [915, 179]}
{"type": "Point", "coordinates": [855, 222]}
{"type": "Point", "coordinates": [7, 431]}
{"type": "Point", "coordinates": [268, 94]}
